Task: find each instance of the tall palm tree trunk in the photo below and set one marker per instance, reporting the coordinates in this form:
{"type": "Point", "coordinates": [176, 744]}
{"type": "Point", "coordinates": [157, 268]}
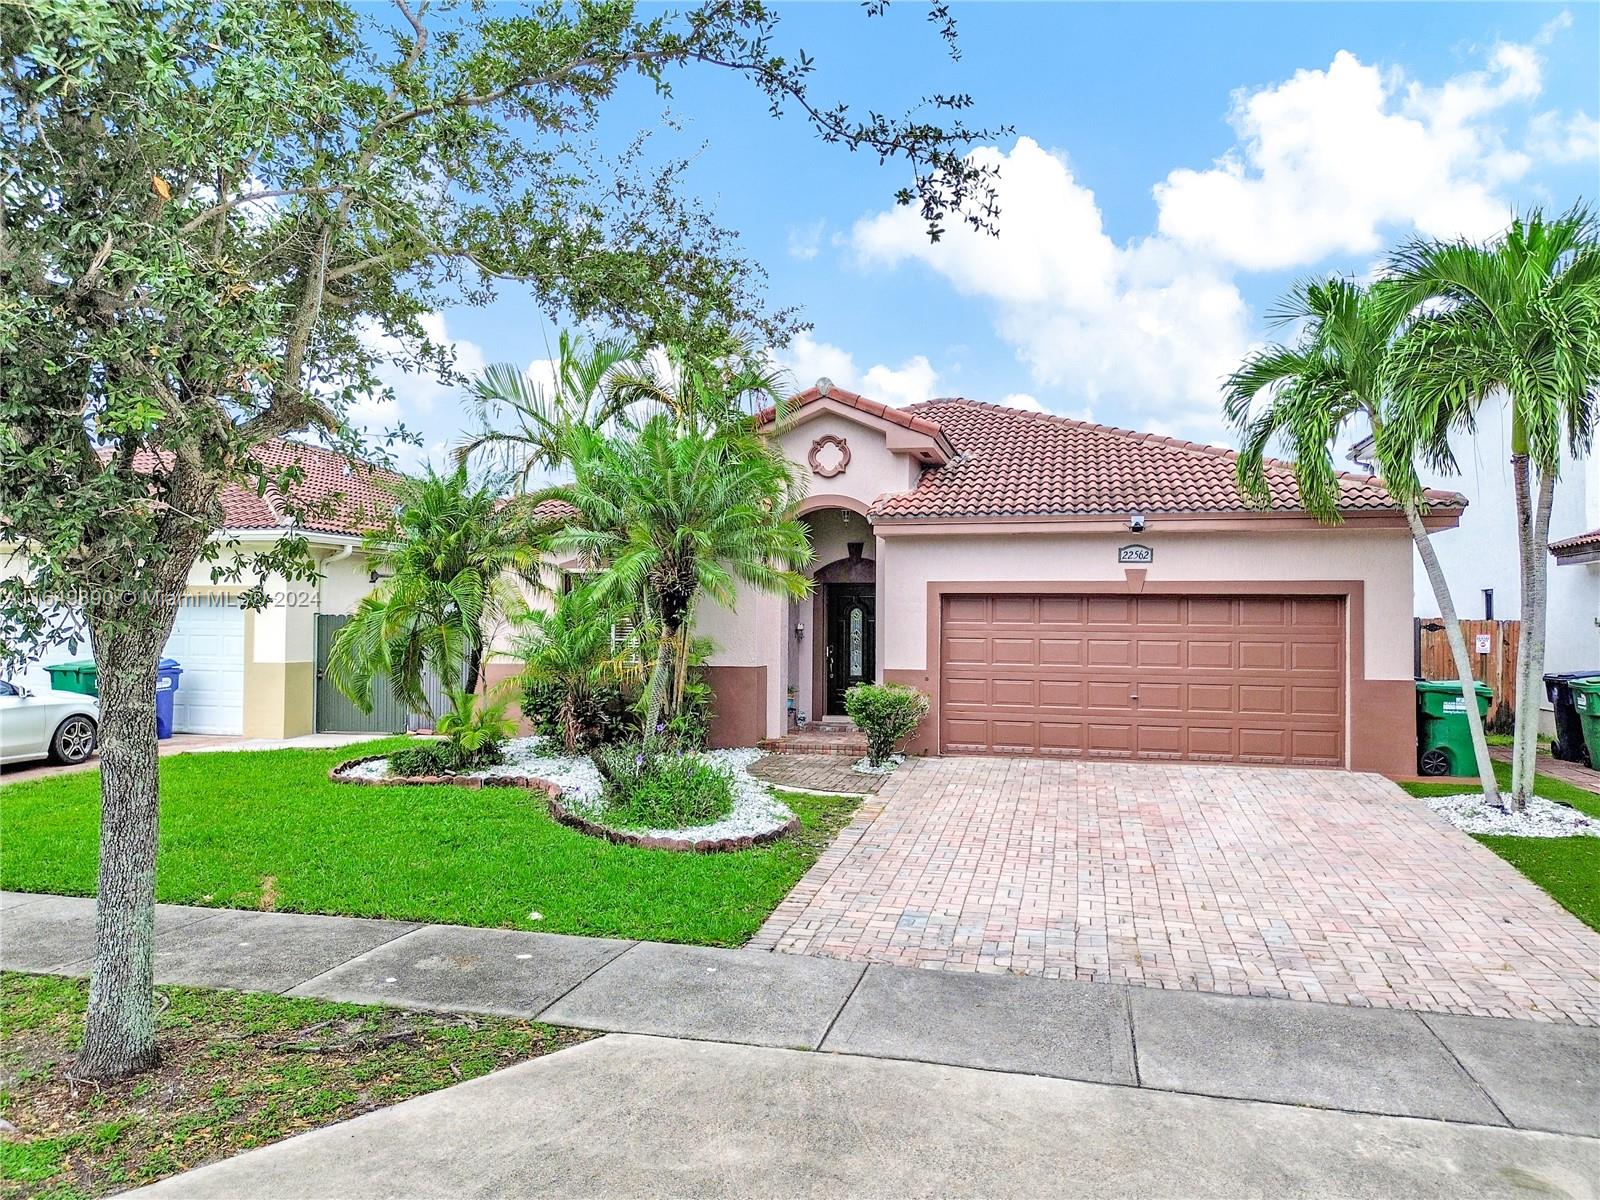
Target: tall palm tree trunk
{"type": "Point", "coordinates": [1458, 649]}
{"type": "Point", "coordinates": [660, 679]}
{"type": "Point", "coordinates": [1533, 537]}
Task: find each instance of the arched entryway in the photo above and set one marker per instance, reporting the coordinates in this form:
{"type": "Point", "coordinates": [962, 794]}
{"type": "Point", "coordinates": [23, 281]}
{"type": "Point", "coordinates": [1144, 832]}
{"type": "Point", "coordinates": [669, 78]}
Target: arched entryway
{"type": "Point", "coordinates": [837, 628]}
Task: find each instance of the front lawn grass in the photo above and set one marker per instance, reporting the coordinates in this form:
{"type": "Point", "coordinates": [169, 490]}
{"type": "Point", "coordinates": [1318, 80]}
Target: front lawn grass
{"type": "Point", "coordinates": [237, 1070]}
{"type": "Point", "coordinates": [1567, 868]}
{"type": "Point", "coordinates": [269, 829]}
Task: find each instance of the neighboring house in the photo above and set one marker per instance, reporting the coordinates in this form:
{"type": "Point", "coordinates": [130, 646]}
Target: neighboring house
{"type": "Point", "coordinates": [257, 673]}
{"type": "Point", "coordinates": [1483, 557]}
{"type": "Point", "coordinates": [1067, 589]}
{"type": "Point", "coordinates": [1576, 578]}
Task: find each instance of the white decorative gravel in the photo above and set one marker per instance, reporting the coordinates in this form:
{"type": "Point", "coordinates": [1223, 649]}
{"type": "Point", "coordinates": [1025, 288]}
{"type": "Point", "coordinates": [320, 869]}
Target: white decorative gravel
{"type": "Point", "coordinates": [1542, 818]}
{"type": "Point", "coordinates": [755, 809]}
{"type": "Point", "coordinates": [863, 766]}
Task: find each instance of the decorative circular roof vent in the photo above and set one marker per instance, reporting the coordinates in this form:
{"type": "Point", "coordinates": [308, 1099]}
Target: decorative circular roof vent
{"type": "Point", "coordinates": [829, 456]}
{"type": "Point", "coordinates": [824, 385]}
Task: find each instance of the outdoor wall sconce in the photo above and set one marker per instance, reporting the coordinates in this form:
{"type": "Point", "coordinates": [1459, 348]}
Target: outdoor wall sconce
{"type": "Point", "coordinates": [799, 631]}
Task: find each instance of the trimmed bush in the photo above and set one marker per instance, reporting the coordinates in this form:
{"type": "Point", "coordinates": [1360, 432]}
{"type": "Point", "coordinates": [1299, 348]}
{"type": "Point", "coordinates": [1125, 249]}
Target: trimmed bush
{"type": "Point", "coordinates": [425, 758]}
{"type": "Point", "coordinates": [602, 715]}
{"type": "Point", "coordinates": [650, 787]}
{"type": "Point", "coordinates": [885, 713]}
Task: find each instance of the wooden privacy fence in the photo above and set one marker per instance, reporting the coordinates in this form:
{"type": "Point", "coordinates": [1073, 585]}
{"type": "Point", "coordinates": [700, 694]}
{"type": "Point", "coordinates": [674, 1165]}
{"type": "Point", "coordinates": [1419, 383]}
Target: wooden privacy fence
{"type": "Point", "coordinates": [1492, 649]}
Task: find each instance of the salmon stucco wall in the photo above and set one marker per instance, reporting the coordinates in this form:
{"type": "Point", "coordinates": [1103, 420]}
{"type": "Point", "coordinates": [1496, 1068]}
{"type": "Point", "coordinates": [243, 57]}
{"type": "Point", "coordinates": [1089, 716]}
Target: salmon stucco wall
{"type": "Point", "coordinates": [873, 468]}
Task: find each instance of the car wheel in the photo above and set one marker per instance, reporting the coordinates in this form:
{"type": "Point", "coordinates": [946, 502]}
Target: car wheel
{"type": "Point", "coordinates": [74, 740]}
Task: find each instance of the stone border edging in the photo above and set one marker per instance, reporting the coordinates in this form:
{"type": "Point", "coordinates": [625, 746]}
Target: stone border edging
{"type": "Point", "coordinates": [565, 815]}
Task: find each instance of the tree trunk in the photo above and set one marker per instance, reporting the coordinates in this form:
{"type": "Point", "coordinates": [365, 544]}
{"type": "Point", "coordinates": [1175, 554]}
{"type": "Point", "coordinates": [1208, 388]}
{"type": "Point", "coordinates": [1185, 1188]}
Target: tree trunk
{"type": "Point", "coordinates": [119, 1031]}
{"type": "Point", "coordinates": [474, 667]}
{"type": "Point", "coordinates": [659, 679]}
{"type": "Point", "coordinates": [1458, 650]}
{"type": "Point", "coordinates": [1524, 518]}
{"type": "Point", "coordinates": [1530, 657]}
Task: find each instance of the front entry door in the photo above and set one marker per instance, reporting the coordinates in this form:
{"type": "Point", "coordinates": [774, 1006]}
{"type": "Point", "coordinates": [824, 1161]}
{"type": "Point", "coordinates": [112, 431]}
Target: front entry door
{"type": "Point", "coordinates": [852, 640]}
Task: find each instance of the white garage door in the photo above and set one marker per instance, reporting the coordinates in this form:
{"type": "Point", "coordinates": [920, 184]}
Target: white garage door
{"type": "Point", "coordinates": [208, 642]}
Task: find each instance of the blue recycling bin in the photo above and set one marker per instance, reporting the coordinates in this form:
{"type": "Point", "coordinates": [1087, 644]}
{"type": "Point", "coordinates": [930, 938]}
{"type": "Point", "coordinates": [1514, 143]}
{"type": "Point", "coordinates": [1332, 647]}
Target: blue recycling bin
{"type": "Point", "coordinates": [167, 674]}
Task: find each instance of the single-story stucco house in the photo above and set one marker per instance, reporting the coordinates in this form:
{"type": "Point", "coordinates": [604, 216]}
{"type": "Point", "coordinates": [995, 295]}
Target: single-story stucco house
{"type": "Point", "coordinates": [258, 674]}
{"type": "Point", "coordinates": [1067, 589]}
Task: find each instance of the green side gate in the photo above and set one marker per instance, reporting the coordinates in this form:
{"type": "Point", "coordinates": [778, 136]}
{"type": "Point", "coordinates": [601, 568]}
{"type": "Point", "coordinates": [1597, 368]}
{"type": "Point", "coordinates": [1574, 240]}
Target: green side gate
{"type": "Point", "coordinates": [337, 713]}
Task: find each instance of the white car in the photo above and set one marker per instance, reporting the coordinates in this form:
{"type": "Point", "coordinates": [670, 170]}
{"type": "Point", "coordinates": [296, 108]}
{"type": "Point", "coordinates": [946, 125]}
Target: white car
{"type": "Point", "coordinates": [46, 724]}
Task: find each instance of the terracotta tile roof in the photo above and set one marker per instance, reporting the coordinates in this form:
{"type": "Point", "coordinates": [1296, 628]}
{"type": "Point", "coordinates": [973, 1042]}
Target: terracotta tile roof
{"type": "Point", "coordinates": [1010, 462]}
{"type": "Point", "coordinates": [898, 416]}
{"type": "Point", "coordinates": [336, 495]}
{"type": "Point", "coordinates": [551, 510]}
{"type": "Point", "coordinates": [1581, 542]}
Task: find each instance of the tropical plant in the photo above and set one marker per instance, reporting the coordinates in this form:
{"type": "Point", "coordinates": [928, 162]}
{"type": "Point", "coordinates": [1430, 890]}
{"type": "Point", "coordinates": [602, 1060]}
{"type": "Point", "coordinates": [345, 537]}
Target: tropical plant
{"type": "Point", "coordinates": [1305, 396]}
{"type": "Point", "coordinates": [666, 515]}
{"type": "Point", "coordinates": [476, 727]}
{"type": "Point", "coordinates": [1518, 317]}
{"type": "Point", "coordinates": [451, 554]}
{"type": "Point", "coordinates": [885, 713]}
{"type": "Point", "coordinates": [650, 787]}
{"type": "Point", "coordinates": [545, 416]}
{"type": "Point", "coordinates": [573, 666]}
{"type": "Point", "coordinates": [706, 389]}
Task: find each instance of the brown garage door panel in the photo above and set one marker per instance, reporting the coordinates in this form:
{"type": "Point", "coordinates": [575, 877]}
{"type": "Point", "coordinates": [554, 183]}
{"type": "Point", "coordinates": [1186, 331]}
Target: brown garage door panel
{"type": "Point", "coordinates": [1198, 678]}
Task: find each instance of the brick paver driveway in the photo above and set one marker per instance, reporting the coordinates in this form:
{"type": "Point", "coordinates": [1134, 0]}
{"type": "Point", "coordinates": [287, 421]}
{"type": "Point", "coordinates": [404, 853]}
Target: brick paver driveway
{"type": "Point", "coordinates": [1312, 885]}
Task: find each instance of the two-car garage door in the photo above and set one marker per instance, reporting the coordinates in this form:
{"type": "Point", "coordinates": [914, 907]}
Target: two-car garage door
{"type": "Point", "coordinates": [1198, 678]}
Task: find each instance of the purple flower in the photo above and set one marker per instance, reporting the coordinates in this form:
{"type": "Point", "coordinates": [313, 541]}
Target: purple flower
{"type": "Point", "coordinates": [638, 761]}
{"type": "Point", "coordinates": [661, 727]}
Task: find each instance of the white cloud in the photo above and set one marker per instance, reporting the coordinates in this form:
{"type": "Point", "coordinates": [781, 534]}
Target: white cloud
{"type": "Point", "coordinates": [1094, 321]}
{"type": "Point", "coordinates": [1557, 139]}
{"type": "Point", "coordinates": [1023, 401]}
{"type": "Point", "coordinates": [1329, 161]}
{"type": "Point", "coordinates": [808, 360]}
{"type": "Point", "coordinates": [440, 413]}
{"type": "Point", "coordinates": [1340, 161]}
{"type": "Point", "coordinates": [805, 241]}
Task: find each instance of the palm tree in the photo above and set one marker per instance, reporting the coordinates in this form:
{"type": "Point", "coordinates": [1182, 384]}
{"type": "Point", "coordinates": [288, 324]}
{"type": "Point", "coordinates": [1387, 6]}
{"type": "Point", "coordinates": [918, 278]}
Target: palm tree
{"type": "Point", "coordinates": [667, 514]}
{"type": "Point", "coordinates": [451, 554]}
{"type": "Point", "coordinates": [545, 417]}
{"type": "Point", "coordinates": [1518, 317]}
{"type": "Point", "coordinates": [572, 648]}
{"type": "Point", "coordinates": [700, 389]}
{"type": "Point", "coordinates": [1334, 373]}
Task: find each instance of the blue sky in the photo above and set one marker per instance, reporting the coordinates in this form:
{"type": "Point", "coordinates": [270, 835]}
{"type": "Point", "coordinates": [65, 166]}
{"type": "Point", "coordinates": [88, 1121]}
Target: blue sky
{"type": "Point", "coordinates": [1173, 168]}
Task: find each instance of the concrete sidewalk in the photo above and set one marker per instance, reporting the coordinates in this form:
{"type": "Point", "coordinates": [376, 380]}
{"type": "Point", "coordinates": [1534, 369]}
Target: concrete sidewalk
{"type": "Point", "coordinates": [1486, 1071]}
{"type": "Point", "coordinates": [627, 1116]}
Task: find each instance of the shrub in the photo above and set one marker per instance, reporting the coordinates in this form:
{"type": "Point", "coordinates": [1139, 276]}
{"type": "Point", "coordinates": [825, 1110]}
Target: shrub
{"type": "Point", "coordinates": [690, 727]}
{"type": "Point", "coordinates": [477, 729]}
{"type": "Point", "coordinates": [425, 758]}
{"type": "Point", "coordinates": [885, 713]}
{"type": "Point", "coordinates": [648, 786]}
{"type": "Point", "coordinates": [602, 715]}
{"type": "Point", "coordinates": [574, 668]}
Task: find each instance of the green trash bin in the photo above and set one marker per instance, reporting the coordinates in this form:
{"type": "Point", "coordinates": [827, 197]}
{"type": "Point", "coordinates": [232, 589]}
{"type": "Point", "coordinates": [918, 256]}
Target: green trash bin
{"type": "Point", "coordinates": [82, 677]}
{"type": "Point", "coordinates": [1444, 739]}
{"type": "Point", "coordinates": [1586, 699]}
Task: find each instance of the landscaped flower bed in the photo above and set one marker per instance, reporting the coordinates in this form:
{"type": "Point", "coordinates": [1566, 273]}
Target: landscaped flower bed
{"type": "Point", "coordinates": [573, 789]}
{"type": "Point", "coordinates": [1541, 819]}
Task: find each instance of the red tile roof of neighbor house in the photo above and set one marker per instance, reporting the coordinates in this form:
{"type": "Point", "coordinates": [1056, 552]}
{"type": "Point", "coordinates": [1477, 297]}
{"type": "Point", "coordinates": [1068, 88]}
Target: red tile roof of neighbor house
{"type": "Point", "coordinates": [1015, 463]}
{"type": "Point", "coordinates": [337, 494]}
{"type": "Point", "coordinates": [1580, 542]}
